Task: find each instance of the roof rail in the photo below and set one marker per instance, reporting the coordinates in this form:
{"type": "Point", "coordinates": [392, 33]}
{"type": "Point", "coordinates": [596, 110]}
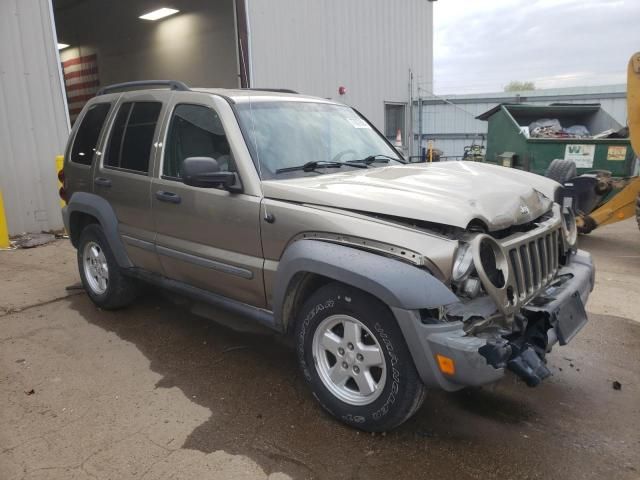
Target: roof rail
{"type": "Point", "coordinates": [172, 84]}
{"type": "Point", "coordinates": [277, 90]}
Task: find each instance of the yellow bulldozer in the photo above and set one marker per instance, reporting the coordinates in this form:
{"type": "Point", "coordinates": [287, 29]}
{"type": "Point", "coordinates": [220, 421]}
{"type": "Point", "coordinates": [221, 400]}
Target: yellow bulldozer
{"type": "Point", "coordinates": [608, 199]}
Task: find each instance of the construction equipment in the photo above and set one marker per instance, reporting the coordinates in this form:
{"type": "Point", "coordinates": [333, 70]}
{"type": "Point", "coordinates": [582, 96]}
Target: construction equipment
{"type": "Point", "coordinates": [633, 113]}
{"type": "Point", "coordinates": [604, 199]}
{"type": "Point", "coordinates": [474, 153]}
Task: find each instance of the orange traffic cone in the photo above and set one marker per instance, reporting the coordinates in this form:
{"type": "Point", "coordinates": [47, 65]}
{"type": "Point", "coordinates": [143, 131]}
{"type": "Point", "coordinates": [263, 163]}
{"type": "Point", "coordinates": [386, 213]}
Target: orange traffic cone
{"type": "Point", "coordinates": [398, 138]}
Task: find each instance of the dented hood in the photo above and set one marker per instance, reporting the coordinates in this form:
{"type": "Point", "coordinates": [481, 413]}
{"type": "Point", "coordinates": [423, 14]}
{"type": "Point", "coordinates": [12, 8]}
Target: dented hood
{"type": "Point", "coordinates": [449, 193]}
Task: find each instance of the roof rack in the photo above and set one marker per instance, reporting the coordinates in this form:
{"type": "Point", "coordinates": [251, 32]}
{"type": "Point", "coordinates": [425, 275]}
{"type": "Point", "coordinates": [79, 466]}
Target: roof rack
{"type": "Point", "coordinates": [277, 90]}
{"type": "Point", "coordinates": [172, 84]}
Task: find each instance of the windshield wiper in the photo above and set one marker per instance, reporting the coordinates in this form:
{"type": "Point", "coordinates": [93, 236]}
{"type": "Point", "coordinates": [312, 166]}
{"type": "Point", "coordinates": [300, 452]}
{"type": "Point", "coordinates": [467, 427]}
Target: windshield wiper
{"type": "Point", "coordinates": [311, 166]}
{"type": "Point", "coordinates": [380, 158]}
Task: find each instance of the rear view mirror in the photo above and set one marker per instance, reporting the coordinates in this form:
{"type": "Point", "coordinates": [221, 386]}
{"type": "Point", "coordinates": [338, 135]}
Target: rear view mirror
{"type": "Point", "coordinates": [204, 172]}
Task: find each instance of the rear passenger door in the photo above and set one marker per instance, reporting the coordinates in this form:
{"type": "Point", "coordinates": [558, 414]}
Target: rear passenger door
{"type": "Point", "coordinates": [123, 175]}
{"type": "Point", "coordinates": [82, 151]}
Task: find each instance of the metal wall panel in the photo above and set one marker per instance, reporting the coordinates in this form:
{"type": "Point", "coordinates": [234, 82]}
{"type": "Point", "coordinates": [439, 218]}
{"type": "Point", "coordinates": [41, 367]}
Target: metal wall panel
{"type": "Point", "coordinates": [450, 121]}
{"type": "Point", "coordinates": [33, 120]}
{"type": "Point", "coordinates": [368, 46]}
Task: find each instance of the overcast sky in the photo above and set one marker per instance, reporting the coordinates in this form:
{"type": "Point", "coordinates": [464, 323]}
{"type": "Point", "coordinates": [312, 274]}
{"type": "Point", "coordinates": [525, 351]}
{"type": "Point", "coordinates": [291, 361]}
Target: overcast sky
{"type": "Point", "coordinates": [481, 45]}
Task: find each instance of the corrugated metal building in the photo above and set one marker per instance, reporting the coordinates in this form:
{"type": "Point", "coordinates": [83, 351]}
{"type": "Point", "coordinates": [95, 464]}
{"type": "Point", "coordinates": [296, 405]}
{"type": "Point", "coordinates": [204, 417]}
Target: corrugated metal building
{"type": "Point", "coordinates": [368, 46]}
{"type": "Point", "coordinates": [33, 119]}
{"type": "Point", "coordinates": [450, 120]}
{"type": "Point", "coordinates": [378, 50]}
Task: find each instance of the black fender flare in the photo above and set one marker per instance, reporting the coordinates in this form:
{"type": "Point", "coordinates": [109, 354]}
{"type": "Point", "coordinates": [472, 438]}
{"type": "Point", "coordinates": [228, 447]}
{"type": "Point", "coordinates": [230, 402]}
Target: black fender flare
{"type": "Point", "coordinates": [99, 208]}
{"type": "Point", "coordinates": [396, 283]}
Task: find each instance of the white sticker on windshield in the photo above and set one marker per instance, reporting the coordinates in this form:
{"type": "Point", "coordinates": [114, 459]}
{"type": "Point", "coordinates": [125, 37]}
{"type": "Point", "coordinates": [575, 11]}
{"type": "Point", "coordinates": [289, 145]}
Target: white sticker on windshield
{"type": "Point", "coordinates": [357, 122]}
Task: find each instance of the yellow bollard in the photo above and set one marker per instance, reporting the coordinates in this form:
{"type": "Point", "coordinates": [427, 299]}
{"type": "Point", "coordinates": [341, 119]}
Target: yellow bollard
{"type": "Point", "coordinates": [59, 166]}
{"type": "Point", "coordinates": [4, 230]}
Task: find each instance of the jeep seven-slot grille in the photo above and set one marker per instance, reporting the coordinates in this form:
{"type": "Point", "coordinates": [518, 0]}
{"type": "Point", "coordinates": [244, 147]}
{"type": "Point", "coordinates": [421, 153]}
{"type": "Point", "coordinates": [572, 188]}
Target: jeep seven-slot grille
{"type": "Point", "coordinates": [534, 262]}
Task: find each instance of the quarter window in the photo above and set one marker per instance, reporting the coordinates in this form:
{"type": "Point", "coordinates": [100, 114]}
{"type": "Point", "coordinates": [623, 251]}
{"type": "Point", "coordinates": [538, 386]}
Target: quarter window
{"type": "Point", "coordinates": [132, 135]}
{"type": "Point", "coordinates": [195, 131]}
{"type": "Point", "coordinates": [86, 140]}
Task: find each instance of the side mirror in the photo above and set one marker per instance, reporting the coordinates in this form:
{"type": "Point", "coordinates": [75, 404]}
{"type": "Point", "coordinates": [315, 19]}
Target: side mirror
{"type": "Point", "coordinates": [205, 172]}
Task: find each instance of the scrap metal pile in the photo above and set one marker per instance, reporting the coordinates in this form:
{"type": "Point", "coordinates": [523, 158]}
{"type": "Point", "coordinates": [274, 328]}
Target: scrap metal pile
{"type": "Point", "coordinates": [551, 128]}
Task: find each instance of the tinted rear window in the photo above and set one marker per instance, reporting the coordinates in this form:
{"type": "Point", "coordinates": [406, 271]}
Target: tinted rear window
{"type": "Point", "coordinates": [132, 135]}
{"type": "Point", "coordinates": [85, 143]}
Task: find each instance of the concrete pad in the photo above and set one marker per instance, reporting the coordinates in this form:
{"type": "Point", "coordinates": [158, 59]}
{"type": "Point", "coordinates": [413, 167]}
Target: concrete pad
{"type": "Point", "coordinates": [616, 252]}
{"type": "Point", "coordinates": [154, 392]}
{"type": "Point", "coordinates": [36, 275]}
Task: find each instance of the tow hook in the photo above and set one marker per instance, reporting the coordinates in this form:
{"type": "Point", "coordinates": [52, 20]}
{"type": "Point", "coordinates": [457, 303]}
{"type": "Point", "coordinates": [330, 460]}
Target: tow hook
{"type": "Point", "coordinates": [522, 353]}
{"type": "Point", "coordinates": [528, 366]}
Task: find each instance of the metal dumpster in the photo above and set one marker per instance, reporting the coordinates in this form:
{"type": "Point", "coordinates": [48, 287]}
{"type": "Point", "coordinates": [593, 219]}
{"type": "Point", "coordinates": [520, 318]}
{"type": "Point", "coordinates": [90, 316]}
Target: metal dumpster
{"type": "Point", "coordinates": [511, 143]}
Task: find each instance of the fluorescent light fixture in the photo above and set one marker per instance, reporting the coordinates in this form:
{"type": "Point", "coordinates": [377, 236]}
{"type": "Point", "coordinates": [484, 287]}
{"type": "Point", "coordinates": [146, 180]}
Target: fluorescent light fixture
{"type": "Point", "coordinates": [158, 14]}
{"type": "Point", "coordinates": [62, 45]}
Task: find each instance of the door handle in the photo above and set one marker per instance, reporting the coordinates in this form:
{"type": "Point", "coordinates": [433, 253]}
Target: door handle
{"type": "Point", "coordinates": [168, 196]}
{"type": "Point", "coordinates": [103, 182]}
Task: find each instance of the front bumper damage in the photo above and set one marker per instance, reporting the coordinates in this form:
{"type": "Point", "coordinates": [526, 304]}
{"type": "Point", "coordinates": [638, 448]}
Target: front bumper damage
{"type": "Point", "coordinates": [553, 316]}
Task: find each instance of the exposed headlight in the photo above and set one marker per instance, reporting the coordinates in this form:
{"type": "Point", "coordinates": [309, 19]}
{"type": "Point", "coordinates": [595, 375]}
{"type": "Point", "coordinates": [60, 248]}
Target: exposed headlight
{"type": "Point", "coordinates": [569, 228]}
{"type": "Point", "coordinates": [462, 263]}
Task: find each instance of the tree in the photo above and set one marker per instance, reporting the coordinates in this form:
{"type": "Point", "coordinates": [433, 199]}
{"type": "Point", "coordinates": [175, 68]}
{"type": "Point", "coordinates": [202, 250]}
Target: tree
{"type": "Point", "coordinates": [517, 86]}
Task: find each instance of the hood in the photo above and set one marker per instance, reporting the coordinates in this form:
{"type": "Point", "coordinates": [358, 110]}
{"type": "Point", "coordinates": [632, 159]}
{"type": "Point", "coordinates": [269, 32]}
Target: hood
{"type": "Point", "coordinates": [449, 193]}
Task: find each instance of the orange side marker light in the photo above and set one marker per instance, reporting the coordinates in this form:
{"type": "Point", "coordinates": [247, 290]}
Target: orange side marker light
{"type": "Point", "coordinates": [446, 364]}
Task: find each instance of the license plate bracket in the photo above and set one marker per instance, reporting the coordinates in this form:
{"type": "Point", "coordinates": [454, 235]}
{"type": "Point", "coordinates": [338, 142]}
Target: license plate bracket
{"type": "Point", "coordinates": [570, 318]}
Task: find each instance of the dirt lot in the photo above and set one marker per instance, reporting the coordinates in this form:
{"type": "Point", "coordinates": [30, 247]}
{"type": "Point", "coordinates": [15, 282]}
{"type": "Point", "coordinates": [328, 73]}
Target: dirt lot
{"type": "Point", "coordinates": [155, 392]}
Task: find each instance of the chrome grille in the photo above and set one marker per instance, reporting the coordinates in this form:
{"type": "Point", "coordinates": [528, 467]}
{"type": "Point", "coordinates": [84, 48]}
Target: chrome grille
{"type": "Point", "coordinates": [534, 262]}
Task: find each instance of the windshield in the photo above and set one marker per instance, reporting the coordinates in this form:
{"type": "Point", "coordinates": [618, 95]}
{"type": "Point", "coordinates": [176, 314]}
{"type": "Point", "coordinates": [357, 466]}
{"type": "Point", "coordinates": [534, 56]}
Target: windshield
{"type": "Point", "coordinates": [283, 135]}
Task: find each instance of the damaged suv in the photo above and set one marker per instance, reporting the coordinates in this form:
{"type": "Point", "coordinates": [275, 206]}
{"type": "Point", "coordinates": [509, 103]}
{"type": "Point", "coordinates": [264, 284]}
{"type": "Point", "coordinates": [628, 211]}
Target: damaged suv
{"type": "Point", "coordinates": [294, 211]}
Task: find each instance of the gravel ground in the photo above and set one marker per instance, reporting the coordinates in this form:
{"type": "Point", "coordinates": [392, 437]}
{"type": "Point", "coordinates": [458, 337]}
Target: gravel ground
{"type": "Point", "coordinates": [155, 392]}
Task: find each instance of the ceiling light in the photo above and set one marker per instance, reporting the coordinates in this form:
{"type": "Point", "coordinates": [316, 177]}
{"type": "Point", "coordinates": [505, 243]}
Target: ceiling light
{"type": "Point", "coordinates": [62, 45]}
{"type": "Point", "coordinates": [158, 14]}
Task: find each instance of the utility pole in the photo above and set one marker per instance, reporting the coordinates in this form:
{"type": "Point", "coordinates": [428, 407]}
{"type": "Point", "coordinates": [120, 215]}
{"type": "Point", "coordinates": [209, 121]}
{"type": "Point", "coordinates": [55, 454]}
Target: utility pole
{"type": "Point", "coordinates": [409, 131]}
{"type": "Point", "coordinates": [419, 120]}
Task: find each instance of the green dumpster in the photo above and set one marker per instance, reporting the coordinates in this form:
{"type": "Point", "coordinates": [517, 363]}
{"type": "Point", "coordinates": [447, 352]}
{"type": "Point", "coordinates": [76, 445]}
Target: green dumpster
{"type": "Point", "coordinates": [510, 142]}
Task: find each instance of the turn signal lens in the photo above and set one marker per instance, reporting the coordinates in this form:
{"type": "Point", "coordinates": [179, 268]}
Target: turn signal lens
{"type": "Point", "coordinates": [446, 364]}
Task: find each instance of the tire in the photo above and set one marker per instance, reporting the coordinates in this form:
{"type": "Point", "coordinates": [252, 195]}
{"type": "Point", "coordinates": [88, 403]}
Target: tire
{"type": "Point", "coordinates": [398, 391]}
{"type": "Point", "coordinates": [561, 170]}
{"type": "Point", "coordinates": [100, 274]}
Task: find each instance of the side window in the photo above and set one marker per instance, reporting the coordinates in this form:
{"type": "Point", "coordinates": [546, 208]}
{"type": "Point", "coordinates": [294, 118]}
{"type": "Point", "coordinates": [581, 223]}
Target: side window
{"type": "Point", "coordinates": [132, 135]}
{"type": "Point", "coordinates": [84, 145]}
{"type": "Point", "coordinates": [195, 131]}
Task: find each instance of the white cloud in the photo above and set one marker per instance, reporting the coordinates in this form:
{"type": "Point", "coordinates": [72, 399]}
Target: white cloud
{"type": "Point", "coordinates": [479, 46]}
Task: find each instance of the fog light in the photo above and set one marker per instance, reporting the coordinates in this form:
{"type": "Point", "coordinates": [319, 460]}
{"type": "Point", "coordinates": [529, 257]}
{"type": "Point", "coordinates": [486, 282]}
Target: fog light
{"type": "Point", "coordinates": [446, 364]}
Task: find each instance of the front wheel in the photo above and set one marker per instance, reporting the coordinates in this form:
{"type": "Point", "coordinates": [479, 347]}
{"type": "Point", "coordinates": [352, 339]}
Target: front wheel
{"type": "Point", "coordinates": [355, 359]}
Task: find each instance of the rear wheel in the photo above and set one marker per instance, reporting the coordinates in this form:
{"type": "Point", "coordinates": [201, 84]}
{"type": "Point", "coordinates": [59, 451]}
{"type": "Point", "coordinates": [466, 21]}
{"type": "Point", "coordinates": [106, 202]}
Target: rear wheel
{"type": "Point", "coordinates": [100, 274]}
{"type": "Point", "coordinates": [355, 359]}
{"type": "Point", "coordinates": [561, 170]}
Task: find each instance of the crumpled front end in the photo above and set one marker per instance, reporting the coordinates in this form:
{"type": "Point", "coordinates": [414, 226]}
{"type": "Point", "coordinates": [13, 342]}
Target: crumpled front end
{"type": "Point", "coordinates": [520, 294]}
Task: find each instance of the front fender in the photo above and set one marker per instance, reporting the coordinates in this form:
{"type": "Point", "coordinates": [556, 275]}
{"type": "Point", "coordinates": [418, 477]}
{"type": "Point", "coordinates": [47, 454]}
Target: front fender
{"type": "Point", "coordinates": [397, 284]}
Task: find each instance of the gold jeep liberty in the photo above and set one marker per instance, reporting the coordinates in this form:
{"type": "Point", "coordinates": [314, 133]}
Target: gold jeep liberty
{"type": "Point", "coordinates": [390, 278]}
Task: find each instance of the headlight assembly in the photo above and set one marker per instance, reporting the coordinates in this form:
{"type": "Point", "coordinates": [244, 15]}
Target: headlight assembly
{"type": "Point", "coordinates": [462, 263]}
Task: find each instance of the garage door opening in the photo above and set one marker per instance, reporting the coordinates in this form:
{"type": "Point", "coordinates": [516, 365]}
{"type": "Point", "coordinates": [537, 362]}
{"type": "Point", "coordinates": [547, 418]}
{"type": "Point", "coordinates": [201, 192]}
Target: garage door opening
{"type": "Point", "coordinates": [201, 44]}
